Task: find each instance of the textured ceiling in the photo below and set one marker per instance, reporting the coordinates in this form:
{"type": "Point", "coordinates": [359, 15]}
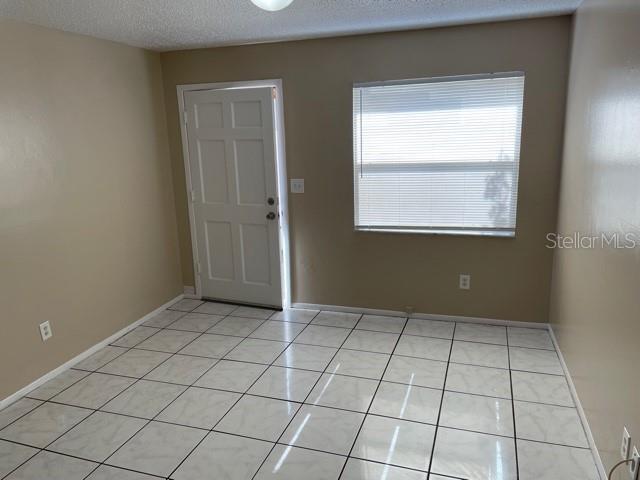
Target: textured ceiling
{"type": "Point", "coordinates": [178, 24]}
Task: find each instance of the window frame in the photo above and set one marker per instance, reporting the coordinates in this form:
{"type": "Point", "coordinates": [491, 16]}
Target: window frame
{"type": "Point", "coordinates": [497, 232]}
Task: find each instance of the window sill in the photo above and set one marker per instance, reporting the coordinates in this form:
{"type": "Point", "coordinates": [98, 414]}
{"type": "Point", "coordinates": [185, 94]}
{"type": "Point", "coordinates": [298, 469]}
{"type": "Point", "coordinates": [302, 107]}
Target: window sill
{"type": "Point", "coordinates": [440, 231]}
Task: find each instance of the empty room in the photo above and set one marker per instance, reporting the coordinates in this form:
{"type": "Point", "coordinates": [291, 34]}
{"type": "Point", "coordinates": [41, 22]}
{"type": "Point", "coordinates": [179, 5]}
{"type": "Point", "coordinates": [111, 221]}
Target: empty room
{"type": "Point", "coordinates": [319, 239]}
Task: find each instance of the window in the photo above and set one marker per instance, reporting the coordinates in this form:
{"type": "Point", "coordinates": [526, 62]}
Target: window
{"type": "Point", "coordinates": [438, 155]}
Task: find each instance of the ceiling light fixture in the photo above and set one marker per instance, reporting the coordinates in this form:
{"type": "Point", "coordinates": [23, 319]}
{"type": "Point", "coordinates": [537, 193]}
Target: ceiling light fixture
{"type": "Point", "coordinates": [272, 5]}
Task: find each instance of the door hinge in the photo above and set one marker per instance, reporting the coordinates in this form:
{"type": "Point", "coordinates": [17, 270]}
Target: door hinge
{"type": "Point", "coordinates": [193, 196]}
{"type": "Point", "coordinates": [186, 118]}
{"type": "Point", "coordinates": [274, 93]}
{"type": "Point", "coordinates": [198, 268]}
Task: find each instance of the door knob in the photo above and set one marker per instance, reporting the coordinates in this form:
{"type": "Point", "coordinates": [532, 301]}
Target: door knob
{"type": "Point", "coordinates": [271, 216]}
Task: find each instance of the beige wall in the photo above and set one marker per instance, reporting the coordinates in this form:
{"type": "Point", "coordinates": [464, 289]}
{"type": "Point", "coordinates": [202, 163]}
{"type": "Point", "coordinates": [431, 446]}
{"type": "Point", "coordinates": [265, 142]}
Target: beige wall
{"type": "Point", "coordinates": [331, 264]}
{"type": "Point", "coordinates": [87, 222]}
{"type": "Point", "coordinates": [596, 300]}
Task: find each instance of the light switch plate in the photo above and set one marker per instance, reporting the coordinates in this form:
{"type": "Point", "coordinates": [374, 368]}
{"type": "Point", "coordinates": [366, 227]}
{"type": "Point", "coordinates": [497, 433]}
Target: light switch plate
{"type": "Point", "coordinates": [297, 185]}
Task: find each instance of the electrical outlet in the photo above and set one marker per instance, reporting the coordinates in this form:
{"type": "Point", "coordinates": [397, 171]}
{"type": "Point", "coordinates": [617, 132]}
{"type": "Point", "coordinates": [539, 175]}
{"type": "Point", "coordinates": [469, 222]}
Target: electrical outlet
{"type": "Point", "coordinates": [297, 185]}
{"type": "Point", "coordinates": [626, 444]}
{"type": "Point", "coordinates": [45, 331]}
{"type": "Point", "coordinates": [465, 281]}
{"type": "Point", "coordinates": [634, 466]}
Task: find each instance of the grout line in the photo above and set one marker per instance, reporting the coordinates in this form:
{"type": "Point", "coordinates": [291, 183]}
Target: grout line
{"type": "Point", "coordinates": [444, 385]}
{"type": "Point", "coordinates": [513, 411]}
{"type": "Point", "coordinates": [242, 395]}
{"type": "Point", "coordinates": [373, 398]}
{"type": "Point", "coordinates": [308, 394]}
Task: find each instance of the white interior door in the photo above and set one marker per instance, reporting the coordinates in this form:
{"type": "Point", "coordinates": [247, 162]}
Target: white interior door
{"type": "Point", "coordinates": [232, 162]}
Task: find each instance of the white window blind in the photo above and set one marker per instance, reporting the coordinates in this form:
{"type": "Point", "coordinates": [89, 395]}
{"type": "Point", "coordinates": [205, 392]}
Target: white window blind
{"type": "Point", "coordinates": [438, 155]}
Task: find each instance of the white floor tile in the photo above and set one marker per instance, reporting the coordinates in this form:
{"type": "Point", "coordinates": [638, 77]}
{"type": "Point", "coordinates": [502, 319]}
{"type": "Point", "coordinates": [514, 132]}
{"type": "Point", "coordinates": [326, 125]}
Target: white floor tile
{"type": "Point", "coordinates": [224, 457]}
{"type": "Point", "coordinates": [234, 376]}
{"type": "Point", "coordinates": [492, 382]}
{"type": "Point", "coordinates": [13, 455]}
{"type": "Point", "coordinates": [307, 357]}
{"type": "Point", "coordinates": [337, 319]}
{"type": "Point", "coordinates": [322, 336]}
{"type": "Point", "coordinates": [212, 346]}
{"type": "Point", "coordinates": [532, 360]}
{"type": "Point", "coordinates": [135, 336]}
{"type": "Point", "coordinates": [181, 369]}
{"type": "Point", "coordinates": [135, 363]}
{"type": "Point", "coordinates": [237, 326]}
{"type": "Point", "coordinates": [104, 472]}
{"type": "Point", "coordinates": [164, 318]}
{"type": "Point", "coordinates": [480, 354]}
{"type": "Point", "coordinates": [257, 351]}
{"type": "Point", "coordinates": [474, 456]}
{"type": "Point", "coordinates": [274, 330]}
{"type": "Point", "coordinates": [378, 323]}
{"type": "Point", "coordinates": [541, 388]}
{"type": "Point", "coordinates": [477, 413]}
{"type": "Point", "coordinates": [94, 391]}
{"type": "Point", "coordinates": [186, 304]}
{"type": "Point", "coordinates": [51, 466]}
{"type": "Point", "coordinates": [199, 407]}
{"type": "Point", "coordinates": [541, 461]}
{"type": "Point", "coordinates": [326, 429]}
{"type": "Point", "coordinates": [322, 397]}
{"type": "Point", "coordinates": [252, 312]}
{"type": "Point", "coordinates": [258, 417]}
{"type": "Point", "coordinates": [100, 358]}
{"type": "Point", "coordinates": [17, 410]}
{"type": "Point", "coordinates": [98, 436]}
{"type": "Point", "coordinates": [196, 322]}
{"type": "Point", "coordinates": [169, 341]}
{"type": "Point", "coordinates": [349, 393]}
{"type": "Point", "coordinates": [44, 424]}
{"type": "Point", "coordinates": [144, 399]}
{"type": "Point", "coordinates": [424, 347]}
{"type": "Point", "coordinates": [396, 442]}
{"type": "Point", "coordinates": [216, 308]}
{"type": "Point", "coordinates": [371, 341]}
{"type": "Point", "coordinates": [157, 449]}
{"type": "Point", "coordinates": [530, 337]}
{"type": "Point", "coordinates": [291, 463]}
{"type": "Point", "coordinates": [407, 402]}
{"type": "Point", "coordinates": [285, 383]}
{"type": "Point", "coordinates": [429, 328]}
{"type": "Point", "coordinates": [363, 470]}
{"type": "Point", "coordinates": [296, 315]}
{"type": "Point", "coordinates": [481, 333]}
{"type": "Point", "coordinates": [551, 424]}
{"type": "Point", "coordinates": [359, 364]}
{"type": "Point", "coordinates": [416, 371]}
{"type": "Point", "coordinates": [57, 384]}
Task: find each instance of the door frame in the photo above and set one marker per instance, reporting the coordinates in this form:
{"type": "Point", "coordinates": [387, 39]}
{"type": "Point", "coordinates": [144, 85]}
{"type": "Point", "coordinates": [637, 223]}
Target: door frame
{"type": "Point", "coordinates": [281, 175]}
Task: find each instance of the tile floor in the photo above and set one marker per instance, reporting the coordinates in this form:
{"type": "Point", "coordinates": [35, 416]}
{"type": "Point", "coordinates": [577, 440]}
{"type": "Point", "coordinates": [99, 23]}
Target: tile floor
{"type": "Point", "coordinates": [215, 391]}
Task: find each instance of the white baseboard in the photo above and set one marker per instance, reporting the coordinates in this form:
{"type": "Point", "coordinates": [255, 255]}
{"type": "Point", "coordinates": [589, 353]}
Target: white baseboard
{"type": "Point", "coordinates": [583, 417]}
{"type": "Point", "coordinates": [87, 353]}
{"type": "Point", "coordinates": [190, 292]}
{"type": "Point", "coordinates": [424, 316]}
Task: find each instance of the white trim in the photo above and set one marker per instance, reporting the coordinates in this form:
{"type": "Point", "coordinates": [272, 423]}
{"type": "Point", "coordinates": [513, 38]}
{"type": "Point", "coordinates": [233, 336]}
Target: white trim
{"type": "Point", "coordinates": [424, 316]}
{"type": "Point", "coordinates": [87, 353]}
{"type": "Point", "coordinates": [190, 292]}
{"type": "Point", "coordinates": [581, 413]}
{"type": "Point", "coordinates": [281, 175]}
